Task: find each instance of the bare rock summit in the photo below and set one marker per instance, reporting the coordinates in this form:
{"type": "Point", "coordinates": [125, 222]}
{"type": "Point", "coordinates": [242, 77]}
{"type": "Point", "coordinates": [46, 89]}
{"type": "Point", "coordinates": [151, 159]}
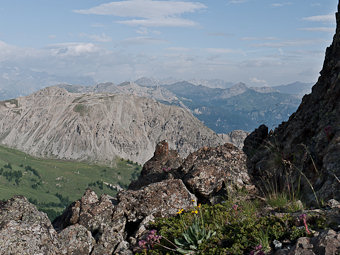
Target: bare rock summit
{"type": "Point", "coordinates": [98, 127]}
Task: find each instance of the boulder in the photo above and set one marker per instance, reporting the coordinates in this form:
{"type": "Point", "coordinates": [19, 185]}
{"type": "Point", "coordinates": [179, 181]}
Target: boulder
{"type": "Point", "coordinates": [159, 199]}
{"type": "Point", "coordinates": [76, 240]}
{"type": "Point", "coordinates": [99, 217]}
{"type": "Point", "coordinates": [212, 173]}
{"type": "Point", "coordinates": [25, 230]}
{"type": "Point", "coordinates": [209, 173]}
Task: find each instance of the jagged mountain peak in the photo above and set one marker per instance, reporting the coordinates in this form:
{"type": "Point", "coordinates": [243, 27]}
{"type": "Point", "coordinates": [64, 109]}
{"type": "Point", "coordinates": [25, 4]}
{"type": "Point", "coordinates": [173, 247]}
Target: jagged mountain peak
{"type": "Point", "coordinates": [148, 82]}
{"type": "Point", "coordinates": [239, 85]}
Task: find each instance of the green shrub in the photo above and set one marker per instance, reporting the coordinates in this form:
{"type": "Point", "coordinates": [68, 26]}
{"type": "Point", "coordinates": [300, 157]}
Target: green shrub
{"type": "Point", "coordinates": [8, 165]}
{"type": "Point", "coordinates": [227, 228]}
{"type": "Point", "coordinates": [81, 109]}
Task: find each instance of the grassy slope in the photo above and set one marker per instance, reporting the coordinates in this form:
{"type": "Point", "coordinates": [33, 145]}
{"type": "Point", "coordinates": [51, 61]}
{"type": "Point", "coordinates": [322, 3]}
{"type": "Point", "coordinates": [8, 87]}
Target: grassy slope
{"type": "Point", "coordinates": [67, 178]}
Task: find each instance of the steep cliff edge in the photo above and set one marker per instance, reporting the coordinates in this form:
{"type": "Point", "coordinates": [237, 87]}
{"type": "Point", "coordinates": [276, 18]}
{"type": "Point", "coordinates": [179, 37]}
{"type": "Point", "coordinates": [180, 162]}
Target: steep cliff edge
{"type": "Point", "coordinates": [306, 148]}
{"type": "Point", "coordinates": [98, 127]}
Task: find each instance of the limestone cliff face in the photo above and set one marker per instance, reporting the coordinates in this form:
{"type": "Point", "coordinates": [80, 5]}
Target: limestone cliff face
{"type": "Point", "coordinates": [309, 142]}
{"type": "Point", "coordinates": [98, 127]}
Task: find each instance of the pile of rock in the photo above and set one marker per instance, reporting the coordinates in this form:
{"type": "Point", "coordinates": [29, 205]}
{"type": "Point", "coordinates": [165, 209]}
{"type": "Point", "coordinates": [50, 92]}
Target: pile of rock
{"type": "Point", "coordinates": [108, 225]}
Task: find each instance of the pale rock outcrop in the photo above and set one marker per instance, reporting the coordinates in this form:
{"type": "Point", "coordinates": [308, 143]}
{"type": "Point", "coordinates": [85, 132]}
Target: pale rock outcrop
{"type": "Point", "coordinates": [98, 127]}
{"type": "Point", "coordinates": [235, 137]}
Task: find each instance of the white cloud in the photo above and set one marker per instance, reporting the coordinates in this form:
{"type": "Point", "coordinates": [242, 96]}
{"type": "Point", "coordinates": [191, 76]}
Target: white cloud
{"type": "Point", "coordinates": [289, 43]}
{"type": "Point", "coordinates": [97, 25]}
{"type": "Point", "coordinates": [142, 40]}
{"type": "Point", "coordinates": [315, 4]}
{"type": "Point", "coordinates": [72, 49]}
{"type": "Point", "coordinates": [220, 34]}
{"type": "Point", "coordinates": [318, 29]}
{"type": "Point", "coordinates": [321, 18]}
{"type": "Point", "coordinates": [281, 4]}
{"type": "Point", "coordinates": [237, 1]}
{"type": "Point", "coordinates": [10, 52]}
{"type": "Point", "coordinates": [220, 50]}
{"type": "Point", "coordinates": [142, 31]}
{"type": "Point", "coordinates": [97, 38]}
{"type": "Point", "coordinates": [160, 22]}
{"type": "Point", "coordinates": [148, 12]}
{"type": "Point", "coordinates": [179, 49]}
{"type": "Point", "coordinates": [100, 64]}
{"type": "Point", "coordinates": [270, 38]}
{"type": "Point", "coordinates": [259, 81]}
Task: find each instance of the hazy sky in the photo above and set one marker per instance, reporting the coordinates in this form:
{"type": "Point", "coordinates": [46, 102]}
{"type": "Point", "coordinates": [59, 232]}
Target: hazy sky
{"type": "Point", "coordinates": [259, 42]}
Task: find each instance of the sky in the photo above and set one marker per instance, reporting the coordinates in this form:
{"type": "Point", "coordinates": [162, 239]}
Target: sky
{"type": "Point", "coordinates": [258, 42]}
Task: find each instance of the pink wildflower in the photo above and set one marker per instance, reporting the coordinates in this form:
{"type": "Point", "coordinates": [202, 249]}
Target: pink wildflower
{"type": "Point", "coordinates": [304, 218]}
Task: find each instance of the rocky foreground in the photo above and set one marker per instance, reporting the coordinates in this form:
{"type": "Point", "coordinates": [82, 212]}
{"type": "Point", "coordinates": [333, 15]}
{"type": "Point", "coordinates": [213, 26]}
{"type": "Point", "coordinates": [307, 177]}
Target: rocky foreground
{"type": "Point", "coordinates": [113, 225]}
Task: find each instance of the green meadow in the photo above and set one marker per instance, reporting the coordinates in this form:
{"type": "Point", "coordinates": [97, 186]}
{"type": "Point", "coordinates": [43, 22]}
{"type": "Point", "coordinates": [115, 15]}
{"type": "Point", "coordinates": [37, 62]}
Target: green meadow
{"type": "Point", "coordinates": [53, 184]}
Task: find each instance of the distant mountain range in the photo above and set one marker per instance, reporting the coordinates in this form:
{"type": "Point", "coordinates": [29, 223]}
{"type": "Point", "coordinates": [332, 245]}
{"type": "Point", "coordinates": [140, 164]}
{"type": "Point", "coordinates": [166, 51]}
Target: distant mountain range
{"type": "Point", "coordinates": [222, 106]}
{"type": "Point", "coordinates": [238, 107]}
{"type": "Point", "coordinates": [296, 88]}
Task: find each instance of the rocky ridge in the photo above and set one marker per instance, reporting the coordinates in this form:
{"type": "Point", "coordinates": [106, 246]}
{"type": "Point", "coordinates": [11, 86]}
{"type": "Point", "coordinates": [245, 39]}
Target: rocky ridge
{"type": "Point", "coordinates": [127, 88]}
{"type": "Point", "coordinates": [306, 147]}
{"type": "Point", "coordinates": [98, 127]}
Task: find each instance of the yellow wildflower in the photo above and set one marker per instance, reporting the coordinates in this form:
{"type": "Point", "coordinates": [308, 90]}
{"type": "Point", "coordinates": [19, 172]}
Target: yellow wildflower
{"type": "Point", "coordinates": [180, 211]}
{"type": "Point", "coordinates": [199, 206]}
{"type": "Point", "coordinates": [196, 212]}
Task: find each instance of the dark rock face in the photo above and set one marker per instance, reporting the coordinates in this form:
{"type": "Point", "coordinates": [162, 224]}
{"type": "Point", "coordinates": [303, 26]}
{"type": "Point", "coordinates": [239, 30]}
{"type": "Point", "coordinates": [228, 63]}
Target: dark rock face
{"type": "Point", "coordinates": [255, 139]}
{"type": "Point", "coordinates": [158, 167]}
{"type": "Point", "coordinates": [309, 143]}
